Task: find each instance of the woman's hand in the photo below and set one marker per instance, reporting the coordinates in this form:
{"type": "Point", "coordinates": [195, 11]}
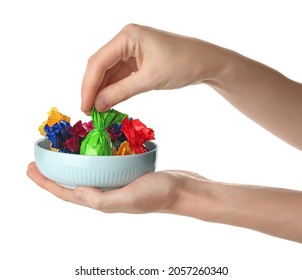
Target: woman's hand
{"type": "Point", "coordinates": [140, 59]}
{"type": "Point", "coordinates": [153, 192]}
{"type": "Point", "coordinates": [273, 211]}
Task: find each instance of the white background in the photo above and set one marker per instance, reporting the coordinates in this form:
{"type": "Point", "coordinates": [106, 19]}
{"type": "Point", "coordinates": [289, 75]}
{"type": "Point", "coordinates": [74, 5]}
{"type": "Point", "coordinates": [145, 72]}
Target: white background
{"type": "Point", "coordinates": [43, 53]}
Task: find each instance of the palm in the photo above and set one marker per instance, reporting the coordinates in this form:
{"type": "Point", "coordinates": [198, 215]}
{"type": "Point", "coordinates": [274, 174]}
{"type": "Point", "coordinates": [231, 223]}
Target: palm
{"type": "Point", "coordinates": [152, 192]}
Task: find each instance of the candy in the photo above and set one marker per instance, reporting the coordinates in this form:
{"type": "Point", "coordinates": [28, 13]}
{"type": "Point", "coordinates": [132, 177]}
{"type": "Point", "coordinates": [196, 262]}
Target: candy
{"type": "Point", "coordinates": [124, 149]}
{"type": "Point", "coordinates": [97, 142]}
{"type": "Point", "coordinates": [109, 133]}
{"type": "Point", "coordinates": [78, 133]}
{"type": "Point", "coordinates": [58, 133]}
{"type": "Point", "coordinates": [137, 134]}
{"type": "Point", "coordinates": [116, 135]}
{"type": "Point", "coordinates": [54, 116]}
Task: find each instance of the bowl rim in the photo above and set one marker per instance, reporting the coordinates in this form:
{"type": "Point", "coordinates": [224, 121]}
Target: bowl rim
{"type": "Point", "coordinates": [45, 140]}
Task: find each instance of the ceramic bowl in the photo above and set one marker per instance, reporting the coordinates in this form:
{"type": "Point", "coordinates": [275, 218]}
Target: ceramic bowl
{"type": "Point", "coordinates": [105, 172]}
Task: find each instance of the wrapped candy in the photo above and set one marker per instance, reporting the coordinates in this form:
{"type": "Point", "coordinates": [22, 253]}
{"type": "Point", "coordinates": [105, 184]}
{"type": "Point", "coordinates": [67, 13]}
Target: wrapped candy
{"type": "Point", "coordinates": [114, 131]}
{"type": "Point", "coordinates": [109, 133]}
{"type": "Point", "coordinates": [54, 116]}
{"type": "Point", "coordinates": [116, 135]}
{"type": "Point", "coordinates": [137, 134]}
{"type": "Point", "coordinates": [58, 133]}
{"type": "Point", "coordinates": [78, 132]}
{"type": "Point", "coordinates": [98, 142]}
{"type": "Point", "coordinates": [124, 149]}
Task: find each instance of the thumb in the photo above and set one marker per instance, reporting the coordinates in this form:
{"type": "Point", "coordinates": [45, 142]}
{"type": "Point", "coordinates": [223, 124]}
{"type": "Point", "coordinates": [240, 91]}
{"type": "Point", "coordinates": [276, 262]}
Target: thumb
{"type": "Point", "coordinates": [89, 197]}
{"type": "Point", "coordinates": [108, 202]}
{"type": "Point", "coordinates": [119, 200]}
{"type": "Point", "coordinates": [122, 90]}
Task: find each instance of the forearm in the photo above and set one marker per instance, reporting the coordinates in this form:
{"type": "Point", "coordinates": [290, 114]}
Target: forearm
{"type": "Point", "coordinates": [273, 211]}
{"type": "Point", "coordinates": [263, 94]}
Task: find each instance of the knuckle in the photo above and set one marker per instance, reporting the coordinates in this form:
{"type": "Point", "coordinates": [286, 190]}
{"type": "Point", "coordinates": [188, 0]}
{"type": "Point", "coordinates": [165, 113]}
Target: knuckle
{"type": "Point", "coordinates": [123, 92]}
{"type": "Point", "coordinates": [130, 27]}
{"type": "Point", "coordinates": [91, 60]}
{"type": "Point", "coordinates": [99, 204]}
{"type": "Point", "coordinates": [132, 30]}
{"type": "Point", "coordinates": [101, 207]}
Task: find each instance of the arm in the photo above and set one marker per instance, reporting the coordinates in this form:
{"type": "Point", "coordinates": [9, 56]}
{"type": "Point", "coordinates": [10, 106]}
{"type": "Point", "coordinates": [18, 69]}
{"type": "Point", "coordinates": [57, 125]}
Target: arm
{"type": "Point", "coordinates": [268, 210]}
{"type": "Point", "coordinates": [263, 94]}
{"type": "Point", "coordinates": [161, 60]}
{"type": "Point", "coordinates": [272, 211]}
{"type": "Point", "coordinates": [140, 59]}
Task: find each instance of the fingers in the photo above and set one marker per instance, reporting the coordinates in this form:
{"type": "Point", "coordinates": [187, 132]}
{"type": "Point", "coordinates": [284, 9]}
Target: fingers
{"type": "Point", "coordinates": [92, 199]}
{"type": "Point", "coordinates": [63, 193]}
{"type": "Point", "coordinates": [109, 202]}
{"type": "Point", "coordinates": [104, 59]}
{"type": "Point", "coordinates": [141, 59]}
{"type": "Point", "coordinates": [121, 90]}
{"type": "Point", "coordinates": [151, 192]}
{"type": "Point", "coordinates": [48, 185]}
{"type": "Point", "coordinates": [109, 77]}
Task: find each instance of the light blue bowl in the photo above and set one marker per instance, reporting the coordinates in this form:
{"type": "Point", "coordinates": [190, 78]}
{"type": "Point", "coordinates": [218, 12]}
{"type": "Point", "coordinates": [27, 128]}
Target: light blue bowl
{"type": "Point", "coordinates": [105, 172]}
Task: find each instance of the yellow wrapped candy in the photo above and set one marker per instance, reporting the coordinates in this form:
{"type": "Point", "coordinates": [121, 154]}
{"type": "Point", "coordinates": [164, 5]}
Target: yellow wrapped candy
{"type": "Point", "coordinates": [124, 149]}
{"type": "Point", "coordinates": [54, 116]}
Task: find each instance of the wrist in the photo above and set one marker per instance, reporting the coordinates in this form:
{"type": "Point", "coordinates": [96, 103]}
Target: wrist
{"type": "Point", "coordinates": [198, 198]}
{"type": "Point", "coordinates": [223, 71]}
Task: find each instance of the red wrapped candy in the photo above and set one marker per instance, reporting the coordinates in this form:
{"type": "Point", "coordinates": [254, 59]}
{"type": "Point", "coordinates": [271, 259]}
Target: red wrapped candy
{"type": "Point", "coordinates": [137, 134]}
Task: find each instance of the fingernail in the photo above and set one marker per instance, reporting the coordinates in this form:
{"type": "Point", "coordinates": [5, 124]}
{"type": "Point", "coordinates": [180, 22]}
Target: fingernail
{"type": "Point", "coordinates": [79, 196]}
{"type": "Point", "coordinates": [101, 104]}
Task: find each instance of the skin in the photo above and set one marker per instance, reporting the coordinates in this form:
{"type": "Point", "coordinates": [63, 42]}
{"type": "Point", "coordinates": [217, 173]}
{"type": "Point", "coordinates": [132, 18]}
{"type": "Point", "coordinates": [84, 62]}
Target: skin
{"type": "Point", "coordinates": [140, 59]}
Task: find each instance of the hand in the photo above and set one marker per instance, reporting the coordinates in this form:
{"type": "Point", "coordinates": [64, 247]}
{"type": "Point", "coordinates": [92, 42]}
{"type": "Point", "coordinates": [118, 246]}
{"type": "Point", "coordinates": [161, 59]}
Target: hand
{"type": "Point", "coordinates": [152, 192]}
{"type": "Point", "coordinates": [140, 59]}
{"type": "Point", "coordinates": [269, 210]}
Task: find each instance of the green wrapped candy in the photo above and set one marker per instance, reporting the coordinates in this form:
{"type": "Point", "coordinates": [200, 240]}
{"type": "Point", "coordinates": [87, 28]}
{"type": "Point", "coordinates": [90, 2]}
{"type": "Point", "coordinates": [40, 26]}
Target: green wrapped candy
{"type": "Point", "coordinates": [97, 142]}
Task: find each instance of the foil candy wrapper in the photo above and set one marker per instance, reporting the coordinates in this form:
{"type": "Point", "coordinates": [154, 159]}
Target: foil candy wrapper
{"type": "Point", "coordinates": [98, 142]}
{"type": "Point", "coordinates": [108, 133]}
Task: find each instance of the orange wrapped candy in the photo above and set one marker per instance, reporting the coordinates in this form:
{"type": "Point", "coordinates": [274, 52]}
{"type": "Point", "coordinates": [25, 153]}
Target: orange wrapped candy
{"type": "Point", "coordinates": [124, 149]}
{"type": "Point", "coordinates": [54, 116]}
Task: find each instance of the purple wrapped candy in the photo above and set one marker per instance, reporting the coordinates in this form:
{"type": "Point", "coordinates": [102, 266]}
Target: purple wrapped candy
{"type": "Point", "coordinates": [78, 132]}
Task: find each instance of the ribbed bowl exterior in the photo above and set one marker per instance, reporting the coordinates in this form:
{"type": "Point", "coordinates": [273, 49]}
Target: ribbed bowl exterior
{"type": "Point", "coordinates": [105, 172]}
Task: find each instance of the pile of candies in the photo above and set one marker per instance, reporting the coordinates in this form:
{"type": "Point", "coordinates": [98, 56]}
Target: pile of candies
{"type": "Point", "coordinates": [108, 133]}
